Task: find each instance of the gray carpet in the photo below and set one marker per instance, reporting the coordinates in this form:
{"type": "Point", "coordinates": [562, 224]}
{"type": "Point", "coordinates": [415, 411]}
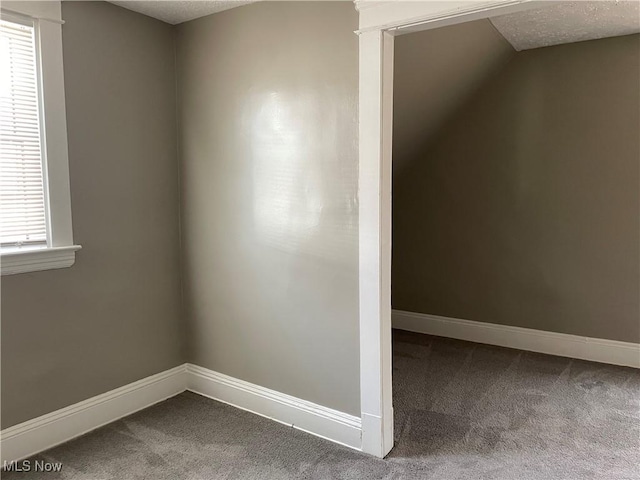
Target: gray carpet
{"type": "Point", "coordinates": [463, 411]}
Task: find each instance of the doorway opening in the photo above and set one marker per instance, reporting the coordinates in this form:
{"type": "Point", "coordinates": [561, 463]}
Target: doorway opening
{"type": "Point", "coordinates": [473, 129]}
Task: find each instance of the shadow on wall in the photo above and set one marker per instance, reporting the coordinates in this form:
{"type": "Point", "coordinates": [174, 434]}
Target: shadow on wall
{"type": "Point", "coordinates": [524, 210]}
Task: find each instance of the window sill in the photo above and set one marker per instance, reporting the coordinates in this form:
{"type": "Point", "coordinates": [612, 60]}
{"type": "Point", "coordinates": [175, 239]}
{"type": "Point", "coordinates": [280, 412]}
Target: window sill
{"type": "Point", "coordinates": [24, 260]}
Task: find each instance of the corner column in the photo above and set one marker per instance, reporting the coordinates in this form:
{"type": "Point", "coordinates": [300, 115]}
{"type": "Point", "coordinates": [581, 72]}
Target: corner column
{"type": "Point", "coordinates": [375, 130]}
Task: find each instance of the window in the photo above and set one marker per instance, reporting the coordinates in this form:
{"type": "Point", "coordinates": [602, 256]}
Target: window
{"type": "Point", "coordinates": [35, 206]}
{"type": "Point", "coordinates": [22, 208]}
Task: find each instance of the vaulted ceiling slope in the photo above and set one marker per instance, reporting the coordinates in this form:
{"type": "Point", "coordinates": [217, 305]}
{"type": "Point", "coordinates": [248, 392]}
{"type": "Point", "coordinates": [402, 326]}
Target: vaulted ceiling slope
{"type": "Point", "coordinates": [569, 22]}
{"type": "Point", "coordinates": [436, 72]}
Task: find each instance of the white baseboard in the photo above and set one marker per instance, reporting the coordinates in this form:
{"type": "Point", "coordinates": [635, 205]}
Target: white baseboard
{"type": "Point", "coordinates": [561, 344]}
{"type": "Point", "coordinates": [321, 421]}
{"type": "Point", "coordinates": [42, 433]}
{"type": "Point", "coordinates": [34, 436]}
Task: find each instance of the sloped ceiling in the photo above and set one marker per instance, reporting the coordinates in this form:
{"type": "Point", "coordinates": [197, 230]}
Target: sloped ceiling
{"type": "Point", "coordinates": [568, 22]}
{"type": "Point", "coordinates": [436, 71]}
{"type": "Point", "coordinates": [177, 12]}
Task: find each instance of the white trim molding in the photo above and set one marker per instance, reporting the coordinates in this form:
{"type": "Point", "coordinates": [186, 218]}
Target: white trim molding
{"type": "Point", "coordinates": [560, 344]}
{"type": "Point", "coordinates": [44, 432]}
{"type": "Point", "coordinates": [303, 415]}
{"type": "Point", "coordinates": [402, 14]}
{"type": "Point", "coordinates": [23, 260]}
{"type": "Point", "coordinates": [374, 194]}
{"type": "Point", "coordinates": [41, 433]}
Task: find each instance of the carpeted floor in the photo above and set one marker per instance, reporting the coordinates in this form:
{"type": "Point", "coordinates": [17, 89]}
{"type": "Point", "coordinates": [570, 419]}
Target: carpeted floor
{"type": "Point", "coordinates": [463, 411]}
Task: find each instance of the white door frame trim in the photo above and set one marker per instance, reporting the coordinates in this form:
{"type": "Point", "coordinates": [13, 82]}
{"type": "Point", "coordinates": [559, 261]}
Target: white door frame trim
{"type": "Point", "coordinates": [379, 22]}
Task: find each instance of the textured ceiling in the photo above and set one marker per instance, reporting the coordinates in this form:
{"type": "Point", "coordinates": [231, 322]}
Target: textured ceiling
{"type": "Point", "coordinates": [559, 22]}
{"type": "Point", "coordinates": [568, 22]}
{"type": "Point", "coordinates": [177, 12]}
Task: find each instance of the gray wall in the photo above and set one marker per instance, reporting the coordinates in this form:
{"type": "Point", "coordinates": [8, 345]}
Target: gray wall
{"type": "Point", "coordinates": [113, 317]}
{"type": "Point", "coordinates": [435, 72]}
{"type": "Point", "coordinates": [269, 167]}
{"type": "Point", "coordinates": [525, 209]}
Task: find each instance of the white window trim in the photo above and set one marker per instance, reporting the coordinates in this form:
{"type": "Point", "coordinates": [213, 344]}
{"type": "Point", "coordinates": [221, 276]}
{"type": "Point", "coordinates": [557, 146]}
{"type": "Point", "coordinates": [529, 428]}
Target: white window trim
{"type": "Point", "coordinates": [60, 249]}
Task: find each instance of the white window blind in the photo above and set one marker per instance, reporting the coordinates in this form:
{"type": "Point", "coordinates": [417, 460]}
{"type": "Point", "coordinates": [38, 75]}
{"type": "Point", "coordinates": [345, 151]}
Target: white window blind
{"type": "Point", "coordinates": [22, 194]}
